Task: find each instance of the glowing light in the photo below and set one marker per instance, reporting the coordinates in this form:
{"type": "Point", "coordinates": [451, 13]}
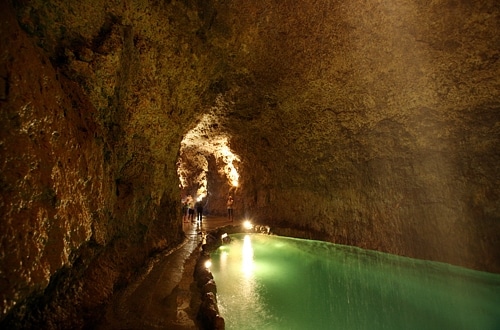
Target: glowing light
{"type": "Point", "coordinates": [247, 257]}
{"type": "Point", "coordinates": [247, 224]}
{"type": "Point", "coordinates": [224, 235]}
{"type": "Point", "coordinates": [208, 263]}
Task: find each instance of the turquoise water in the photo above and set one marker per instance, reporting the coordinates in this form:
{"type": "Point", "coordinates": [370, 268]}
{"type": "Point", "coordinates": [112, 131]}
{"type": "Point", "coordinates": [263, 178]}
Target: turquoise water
{"type": "Point", "coordinates": [272, 282]}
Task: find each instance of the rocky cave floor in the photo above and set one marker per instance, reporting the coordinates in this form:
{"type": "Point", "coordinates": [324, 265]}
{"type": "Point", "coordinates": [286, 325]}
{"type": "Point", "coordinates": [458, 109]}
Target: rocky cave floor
{"type": "Point", "coordinates": [164, 295]}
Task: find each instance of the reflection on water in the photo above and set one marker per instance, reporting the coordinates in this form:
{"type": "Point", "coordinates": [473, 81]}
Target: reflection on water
{"type": "Point", "coordinates": [247, 257]}
{"type": "Point", "coordinates": [235, 266]}
{"type": "Point", "coordinates": [271, 282]}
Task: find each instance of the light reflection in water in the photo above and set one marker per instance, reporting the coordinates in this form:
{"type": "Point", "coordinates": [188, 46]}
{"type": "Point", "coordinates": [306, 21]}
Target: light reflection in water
{"type": "Point", "coordinates": [223, 259]}
{"type": "Point", "coordinates": [235, 266]}
{"type": "Point", "coordinates": [247, 257]}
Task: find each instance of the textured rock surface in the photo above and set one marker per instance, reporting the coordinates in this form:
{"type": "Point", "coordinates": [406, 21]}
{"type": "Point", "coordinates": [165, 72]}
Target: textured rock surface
{"type": "Point", "coordinates": [96, 99]}
{"type": "Point", "coordinates": [375, 123]}
{"type": "Point", "coordinates": [372, 123]}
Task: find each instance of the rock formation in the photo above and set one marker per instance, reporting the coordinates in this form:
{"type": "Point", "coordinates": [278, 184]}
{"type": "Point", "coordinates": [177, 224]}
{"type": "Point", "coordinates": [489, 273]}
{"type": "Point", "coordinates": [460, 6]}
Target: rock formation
{"type": "Point", "coordinates": [370, 123]}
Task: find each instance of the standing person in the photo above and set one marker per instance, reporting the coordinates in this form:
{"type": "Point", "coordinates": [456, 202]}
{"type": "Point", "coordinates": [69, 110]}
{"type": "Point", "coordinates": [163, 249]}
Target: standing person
{"type": "Point", "coordinates": [190, 208]}
{"type": "Point", "coordinates": [191, 211]}
{"type": "Point", "coordinates": [230, 202]}
{"type": "Point", "coordinates": [199, 211]}
{"type": "Point", "coordinates": [184, 211]}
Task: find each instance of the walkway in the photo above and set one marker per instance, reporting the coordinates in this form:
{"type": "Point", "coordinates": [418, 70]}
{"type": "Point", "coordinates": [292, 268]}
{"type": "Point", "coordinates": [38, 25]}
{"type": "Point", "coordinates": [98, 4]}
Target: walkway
{"type": "Point", "coordinates": [160, 297]}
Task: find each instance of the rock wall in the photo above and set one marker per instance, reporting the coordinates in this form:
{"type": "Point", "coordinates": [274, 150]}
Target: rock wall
{"type": "Point", "coordinates": [368, 123]}
{"type": "Point", "coordinates": [95, 100]}
{"type": "Point", "coordinates": [376, 123]}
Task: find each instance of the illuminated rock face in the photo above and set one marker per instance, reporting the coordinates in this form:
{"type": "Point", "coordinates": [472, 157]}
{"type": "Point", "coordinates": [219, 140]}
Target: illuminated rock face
{"type": "Point", "coordinates": [368, 123]}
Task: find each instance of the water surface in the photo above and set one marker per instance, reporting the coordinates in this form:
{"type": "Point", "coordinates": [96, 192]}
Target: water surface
{"type": "Point", "coordinates": [272, 282]}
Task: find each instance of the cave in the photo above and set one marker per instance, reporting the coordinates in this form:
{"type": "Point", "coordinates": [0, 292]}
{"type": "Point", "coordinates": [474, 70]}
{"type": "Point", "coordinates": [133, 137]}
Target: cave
{"type": "Point", "coordinates": [207, 166]}
{"type": "Point", "coordinates": [367, 123]}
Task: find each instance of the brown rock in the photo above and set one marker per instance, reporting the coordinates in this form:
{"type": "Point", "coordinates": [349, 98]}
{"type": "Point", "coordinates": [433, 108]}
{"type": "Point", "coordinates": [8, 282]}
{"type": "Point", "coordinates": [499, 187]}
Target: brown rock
{"type": "Point", "coordinates": [370, 124]}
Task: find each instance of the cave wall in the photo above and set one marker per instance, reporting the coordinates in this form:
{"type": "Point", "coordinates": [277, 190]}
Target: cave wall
{"type": "Point", "coordinates": [374, 123]}
{"type": "Point", "coordinates": [95, 99]}
{"type": "Point", "coordinates": [371, 123]}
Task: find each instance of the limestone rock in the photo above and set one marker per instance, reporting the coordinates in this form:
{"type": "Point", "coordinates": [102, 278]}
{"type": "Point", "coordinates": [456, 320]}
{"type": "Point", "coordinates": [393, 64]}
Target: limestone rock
{"type": "Point", "coordinates": [367, 123]}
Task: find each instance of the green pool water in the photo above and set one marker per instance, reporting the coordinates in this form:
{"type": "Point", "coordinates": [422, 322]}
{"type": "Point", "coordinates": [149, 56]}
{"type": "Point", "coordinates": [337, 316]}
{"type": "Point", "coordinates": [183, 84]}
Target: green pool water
{"type": "Point", "coordinates": [272, 282]}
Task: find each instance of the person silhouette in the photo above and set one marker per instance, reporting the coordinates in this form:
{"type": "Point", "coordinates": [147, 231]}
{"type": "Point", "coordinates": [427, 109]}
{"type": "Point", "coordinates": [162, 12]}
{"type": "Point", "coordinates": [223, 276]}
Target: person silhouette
{"type": "Point", "coordinates": [230, 214]}
{"type": "Point", "coordinates": [199, 211]}
{"type": "Point", "coordinates": [190, 204]}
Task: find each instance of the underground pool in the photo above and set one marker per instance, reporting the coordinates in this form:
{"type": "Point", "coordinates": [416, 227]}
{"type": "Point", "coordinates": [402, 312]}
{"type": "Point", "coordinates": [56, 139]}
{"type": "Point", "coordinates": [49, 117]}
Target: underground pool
{"type": "Point", "coordinates": [273, 282]}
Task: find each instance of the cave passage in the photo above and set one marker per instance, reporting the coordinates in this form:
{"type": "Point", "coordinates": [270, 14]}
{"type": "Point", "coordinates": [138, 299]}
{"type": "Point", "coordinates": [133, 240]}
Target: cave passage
{"type": "Point", "coordinates": [366, 123]}
{"type": "Point", "coordinates": [207, 167]}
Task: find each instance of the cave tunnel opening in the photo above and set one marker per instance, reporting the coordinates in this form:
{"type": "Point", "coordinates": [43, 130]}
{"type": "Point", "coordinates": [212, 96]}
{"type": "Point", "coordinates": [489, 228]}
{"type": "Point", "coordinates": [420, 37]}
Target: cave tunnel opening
{"type": "Point", "coordinates": [208, 168]}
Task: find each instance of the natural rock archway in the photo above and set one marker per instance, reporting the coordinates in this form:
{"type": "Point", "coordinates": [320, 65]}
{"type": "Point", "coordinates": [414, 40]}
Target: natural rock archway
{"type": "Point", "coordinates": [371, 123]}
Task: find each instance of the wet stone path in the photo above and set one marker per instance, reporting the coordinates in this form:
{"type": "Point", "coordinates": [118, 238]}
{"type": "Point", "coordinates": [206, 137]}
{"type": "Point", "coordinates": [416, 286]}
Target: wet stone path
{"type": "Point", "coordinates": [160, 297]}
